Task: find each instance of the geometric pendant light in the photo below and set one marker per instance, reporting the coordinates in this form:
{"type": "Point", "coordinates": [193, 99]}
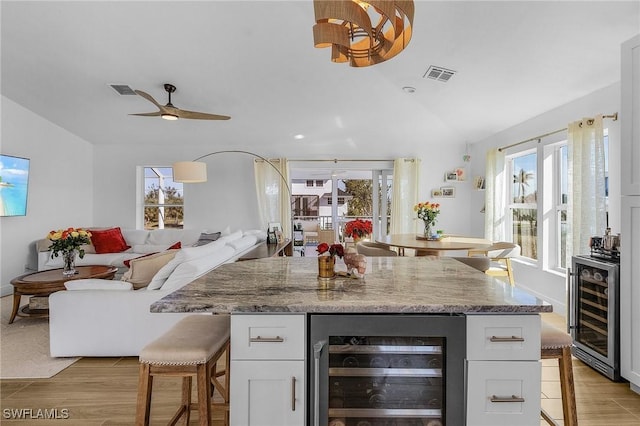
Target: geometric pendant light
{"type": "Point", "coordinates": [363, 33]}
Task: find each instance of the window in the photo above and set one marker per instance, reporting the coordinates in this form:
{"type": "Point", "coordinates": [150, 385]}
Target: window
{"type": "Point", "coordinates": [523, 203]}
{"type": "Point", "coordinates": [562, 190]}
{"type": "Point", "coordinates": [163, 199]}
{"type": "Point", "coordinates": [305, 205]}
{"type": "Point", "coordinates": [539, 193]}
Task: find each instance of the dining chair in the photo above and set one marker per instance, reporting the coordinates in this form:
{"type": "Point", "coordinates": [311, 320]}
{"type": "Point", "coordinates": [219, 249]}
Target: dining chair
{"type": "Point", "coordinates": [500, 254]}
{"type": "Point", "coordinates": [481, 263]}
{"type": "Point", "coordinates": [369, 248]}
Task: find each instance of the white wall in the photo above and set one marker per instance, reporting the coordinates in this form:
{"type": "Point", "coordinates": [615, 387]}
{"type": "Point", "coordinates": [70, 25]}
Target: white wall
{"type": "Point", "coordinates": [60, 185]}
{"type": "Point", "coordinates": [548, 285]}
{"type": "Point", "coordinates": [227, 199]}
{"type": "Point", "coordinates": [229, 196]}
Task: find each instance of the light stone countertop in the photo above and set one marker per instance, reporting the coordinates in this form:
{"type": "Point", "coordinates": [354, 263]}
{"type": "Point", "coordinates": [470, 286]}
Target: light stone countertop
{"type": "Point", "coordinates": [391, 285]}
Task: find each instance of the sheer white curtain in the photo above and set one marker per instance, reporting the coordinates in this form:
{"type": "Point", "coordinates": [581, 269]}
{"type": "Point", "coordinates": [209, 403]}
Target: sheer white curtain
{"type": "Point", "coordinates": [406, 180]}
{"type": "Point", "coordinates": [495, 198]}
{"type": "Point", "coordinates": [274, 199]}
{"type": "Point", "coordinates": [586, 208]}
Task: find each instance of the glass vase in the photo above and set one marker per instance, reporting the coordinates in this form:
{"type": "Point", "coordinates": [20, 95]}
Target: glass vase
{"type": "Point", "coordinates": [69, 263]}
{"type": "Point", "coordinates": [427, 229]}
{"type": "Point", "coordinates": [326, 266]}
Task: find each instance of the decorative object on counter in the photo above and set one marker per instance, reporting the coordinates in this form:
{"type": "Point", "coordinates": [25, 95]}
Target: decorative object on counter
{"type": "Point", "coordinates": [362, 33]}
{"type": "Point", "coordinates": [358, 229]}
{"type": "Point", "coordinates": [327, 259]}
{"type": "Point", "coordinates": [68, 242]}
{"type": "Point", "coordinates": [428, 212]}
{"type": "Point", "coordinates": [356, 263]}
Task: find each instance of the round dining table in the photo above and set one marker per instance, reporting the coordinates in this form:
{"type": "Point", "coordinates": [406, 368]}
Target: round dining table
{"type": "Point", "coordinates": [424, 247]}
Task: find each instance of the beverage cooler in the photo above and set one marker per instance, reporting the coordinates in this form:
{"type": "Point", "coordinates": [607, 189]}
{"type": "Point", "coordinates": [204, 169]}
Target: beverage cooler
{"type": "Point", "coordinates": [387, 370]}
{"type": "Point", "coordinates": [593, 314]}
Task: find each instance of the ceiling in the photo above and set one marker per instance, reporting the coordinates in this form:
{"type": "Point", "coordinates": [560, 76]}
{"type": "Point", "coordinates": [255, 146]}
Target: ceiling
{"type": "Point", "coordinates": [255, 61]}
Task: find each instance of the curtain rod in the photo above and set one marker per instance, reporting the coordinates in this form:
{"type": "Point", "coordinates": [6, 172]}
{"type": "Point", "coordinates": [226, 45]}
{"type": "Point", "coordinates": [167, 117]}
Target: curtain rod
{"type": "Point", "coordinates": [613, 116]}
{"type": "Point", "coordinates": [336, 160]}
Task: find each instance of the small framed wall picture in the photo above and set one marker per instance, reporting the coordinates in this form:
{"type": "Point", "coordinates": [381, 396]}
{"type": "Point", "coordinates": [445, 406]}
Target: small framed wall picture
{"type": "Point", "coordinates": [461, 173]}
{"type": "Point", "coordinates": [448, 191]}
{"type": "Point", "coordinates": [451, 176]}
{"type": "Point", "coordinates": [478, 183]}
{"type": "Point", "coordinates": [436, 193]}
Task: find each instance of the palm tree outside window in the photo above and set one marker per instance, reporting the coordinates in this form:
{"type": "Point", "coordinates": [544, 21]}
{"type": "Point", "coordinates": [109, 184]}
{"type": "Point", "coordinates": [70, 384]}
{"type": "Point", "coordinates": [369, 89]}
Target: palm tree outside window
{"type": "Point", "coordinates": [523, 203]}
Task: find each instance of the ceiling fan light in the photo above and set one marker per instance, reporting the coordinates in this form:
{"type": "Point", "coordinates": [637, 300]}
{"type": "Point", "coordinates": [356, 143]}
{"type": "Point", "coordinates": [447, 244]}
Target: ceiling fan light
{"type": "Point", "coordinates": [170, 117]}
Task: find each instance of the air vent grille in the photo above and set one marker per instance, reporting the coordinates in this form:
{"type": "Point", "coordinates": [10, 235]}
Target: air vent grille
{"type": "Point", "coordinates": [123, 89]}
{"type": "Point", "coordinates": [439, 73]}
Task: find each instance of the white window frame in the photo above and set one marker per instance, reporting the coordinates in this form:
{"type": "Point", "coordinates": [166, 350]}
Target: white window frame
{"type": "Point", "coordinates": [511, 206]}
{"type": "Point", "coordinates": [141, 179]}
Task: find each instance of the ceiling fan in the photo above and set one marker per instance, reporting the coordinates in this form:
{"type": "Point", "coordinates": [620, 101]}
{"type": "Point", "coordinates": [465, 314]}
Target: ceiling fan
{"type": "Point", "coordinates": [170, 112]}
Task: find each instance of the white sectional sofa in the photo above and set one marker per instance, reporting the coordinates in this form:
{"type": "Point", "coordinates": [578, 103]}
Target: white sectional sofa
{"type": "Point", "coordinates": [110, 318]}
{"type": "Point", "coordinates": [140, 241]}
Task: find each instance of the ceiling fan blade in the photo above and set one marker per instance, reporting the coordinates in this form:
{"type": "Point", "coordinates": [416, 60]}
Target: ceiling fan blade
{"type": "Point", "coordinates": [199, 115]}
{"type": "Point", "coordinates": [149, 98]}
{"type": "Point", "coordinates": [149, 114]}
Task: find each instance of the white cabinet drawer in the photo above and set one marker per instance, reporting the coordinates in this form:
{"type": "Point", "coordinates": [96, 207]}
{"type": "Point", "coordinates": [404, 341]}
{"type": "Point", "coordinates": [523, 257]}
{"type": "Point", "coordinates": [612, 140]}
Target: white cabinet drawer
{"type": "Point", "coordinates": [503, 393]}
{"type": "Point", "coordinates": [266, 336]}
{"type": "Point", "coordinates": [503, 337]}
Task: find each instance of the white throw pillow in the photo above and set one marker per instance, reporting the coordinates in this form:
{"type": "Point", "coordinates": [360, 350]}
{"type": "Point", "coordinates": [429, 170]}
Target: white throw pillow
{"type": "Point", "coordinates": [184, 255]}
{"type": "Point", "coordinates": [97, 284]}
{"type": "Point", "coordinates": [244, 242]}
{"type": "Point", "coordinates": [135, 236]}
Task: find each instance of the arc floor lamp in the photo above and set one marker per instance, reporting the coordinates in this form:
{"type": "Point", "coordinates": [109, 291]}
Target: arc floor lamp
{"type": "Point", "coordinates": [196, 171]}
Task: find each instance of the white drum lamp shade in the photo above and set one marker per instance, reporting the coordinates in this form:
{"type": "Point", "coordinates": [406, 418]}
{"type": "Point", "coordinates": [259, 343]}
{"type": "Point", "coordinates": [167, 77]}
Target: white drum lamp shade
{"type": "Point", "coordinates": [189, 171]}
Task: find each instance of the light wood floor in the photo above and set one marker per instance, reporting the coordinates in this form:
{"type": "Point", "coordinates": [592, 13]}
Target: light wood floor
{"type": "Point", "coordinates": [102, 391]}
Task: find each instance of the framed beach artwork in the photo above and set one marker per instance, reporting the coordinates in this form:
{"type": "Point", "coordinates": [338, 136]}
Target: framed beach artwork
{"type": "Point", "coordinates": [14, 185]}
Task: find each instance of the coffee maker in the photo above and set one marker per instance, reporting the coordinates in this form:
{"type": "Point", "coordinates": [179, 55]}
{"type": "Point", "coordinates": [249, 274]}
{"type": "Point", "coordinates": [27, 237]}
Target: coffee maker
{"type": "Point", "coordinates": [605, 247]}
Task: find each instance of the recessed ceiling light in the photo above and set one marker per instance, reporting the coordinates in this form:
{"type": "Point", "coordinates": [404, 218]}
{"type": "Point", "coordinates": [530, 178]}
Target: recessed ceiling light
{"type": "Point", "coordinates": [298, 136]}
{"type": "Point", "coordinates": [409, 89]}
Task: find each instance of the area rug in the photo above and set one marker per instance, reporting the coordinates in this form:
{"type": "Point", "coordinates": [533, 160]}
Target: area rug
{"type": "Point", "coordinates": [24, 346]}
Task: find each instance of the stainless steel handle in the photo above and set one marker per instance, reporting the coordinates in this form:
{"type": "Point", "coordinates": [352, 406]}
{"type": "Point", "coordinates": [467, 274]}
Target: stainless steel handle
{"type": "Point", "coordinates": [503, 339]}
{"type": "Point", "coordinates": [511, 398]}
{"type": "Point", "coordinates": [260, 339]}
{"type": "Point", "coordinates": [571, 319]}
{"type": "Point", "coordinates": [317, 351]}
{"type": "Point", "coordinates": [293, 393]}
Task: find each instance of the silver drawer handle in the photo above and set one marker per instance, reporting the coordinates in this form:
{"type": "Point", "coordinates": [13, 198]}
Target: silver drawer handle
{"type": "Point", "coordinates": [260, 339]}
{"type": "Point", "coordinates": [511, 398]}
{"type": "Point", "coordinates": [293, 393]}
{"type": "Point", "coordinates": [501, 339]}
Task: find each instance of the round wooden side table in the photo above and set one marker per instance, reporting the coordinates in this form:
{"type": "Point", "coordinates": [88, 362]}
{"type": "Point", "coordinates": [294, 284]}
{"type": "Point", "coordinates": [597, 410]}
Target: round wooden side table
{"type": "Point", "coordinates": [43, 283]}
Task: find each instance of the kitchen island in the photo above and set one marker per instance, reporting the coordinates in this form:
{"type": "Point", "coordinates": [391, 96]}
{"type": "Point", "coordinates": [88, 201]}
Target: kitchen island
{"type": "Point", "coordinates": [274, 303]}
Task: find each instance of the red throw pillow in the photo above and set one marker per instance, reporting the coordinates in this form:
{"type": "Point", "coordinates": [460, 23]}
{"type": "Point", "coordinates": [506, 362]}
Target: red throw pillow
{"type": "Point", "coordinates": [108, 241]}
{"type": "Point", "coordinates": [177, 245]}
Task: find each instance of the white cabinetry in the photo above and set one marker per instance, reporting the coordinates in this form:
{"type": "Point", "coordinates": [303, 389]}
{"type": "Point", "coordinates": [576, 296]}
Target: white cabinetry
{"type": "Point", "coordinates": [630, 117]}
{"type": "Point", "coordinates": [630, 292]}
{"type": "Point", "coordinates": [630, 230]}
{"type": "Point", "coordinates": [267, 370]}
{"type": "Point", "coordinates": [503, 370]}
